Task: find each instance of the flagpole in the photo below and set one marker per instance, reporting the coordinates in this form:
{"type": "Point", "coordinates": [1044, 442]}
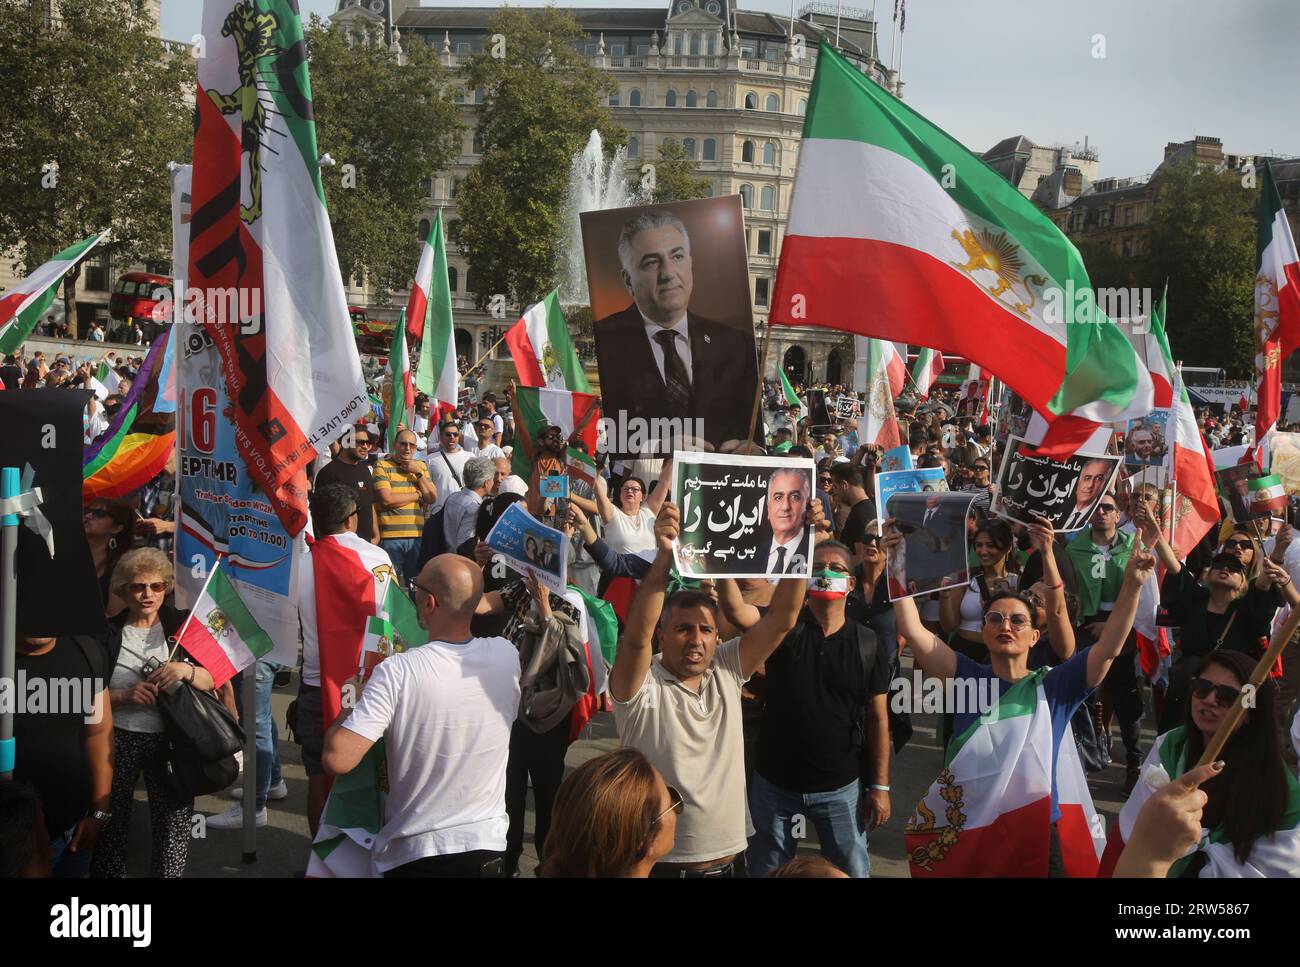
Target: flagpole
{"type": "Point", "coordinates": [9, 487]}
{"type": "Point", "coordinates": [758, 392]}
{"type": "Point", "coordinates": [1173, 455]}
{"type": "Point", "coordinates": [489, 351]}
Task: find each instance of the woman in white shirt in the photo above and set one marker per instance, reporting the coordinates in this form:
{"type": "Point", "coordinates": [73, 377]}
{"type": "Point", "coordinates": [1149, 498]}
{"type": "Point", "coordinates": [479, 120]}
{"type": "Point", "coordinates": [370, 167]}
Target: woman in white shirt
{"type": "Point", "coordinates": [961, 609]}
{"type": "Point", "coordinates": [630, 527]}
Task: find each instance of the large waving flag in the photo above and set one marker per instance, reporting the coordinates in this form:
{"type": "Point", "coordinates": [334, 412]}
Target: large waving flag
{"type": "Point", "coordinates": [989, 812]}
{"type": "Point", "coordinates": [1277, 308]}
{"type": "Point", "coordinates": [926, 369]}
{"type": "Point", "coordinates": [24, 305]}
{"type": "Point", "coordinates": [885, 369]}
{"type": "Point", "coordinates": [260, 232]}
{"type": "Point", "coordinates": [896, 231]}
{"type": "Point", "coordinates": [428, 318]}
{"type": "Point", "coordinates": [539, 408]}
{"type": "Point", "coordinates": [1191, 468]}
{"type": "Point", "coordinates": [542, 350]}
{"type": "Point", "coordinates": [135, 447]}
{"type": "Point", "coordinates": [791, 397]}
{"type": "Point", "coordinates": [1275, 855]}
{"type": "Point", "coordinates": [221, 634]}
{"type": "Point", "coordinates": [1154, 350]}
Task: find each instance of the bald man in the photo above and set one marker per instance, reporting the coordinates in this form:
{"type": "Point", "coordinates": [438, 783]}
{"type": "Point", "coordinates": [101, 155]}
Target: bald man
{"type": "Point", "coordinates": [445, 711]}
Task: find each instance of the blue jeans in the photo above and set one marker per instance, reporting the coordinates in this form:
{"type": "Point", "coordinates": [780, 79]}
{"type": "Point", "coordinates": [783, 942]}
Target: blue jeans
{"type": "Point", "coordinates": [780, 817]}
{"type": "Point", "coordinates": [268, 736]}
{"type": "Point", "coordinates": [404, 552]}
{"type": "Point", "coordinates": [65, 864]}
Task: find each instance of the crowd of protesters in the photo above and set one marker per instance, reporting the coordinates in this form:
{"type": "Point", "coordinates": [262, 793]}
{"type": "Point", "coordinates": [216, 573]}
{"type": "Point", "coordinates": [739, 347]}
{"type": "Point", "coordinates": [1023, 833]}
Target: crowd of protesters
{"type": "Point", "coordinates": [741, 706]}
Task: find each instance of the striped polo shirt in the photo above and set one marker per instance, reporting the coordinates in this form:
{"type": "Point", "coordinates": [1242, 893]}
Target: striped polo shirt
{"type": "Point", "coordinates": [406, 520]}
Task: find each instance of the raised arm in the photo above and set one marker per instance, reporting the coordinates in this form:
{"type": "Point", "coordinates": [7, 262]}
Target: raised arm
{"type": "Point", "coordinates": [604, 506]}
{"type": "Point", "coordinates": [934, 656]}
{"type": "Point", "coordinates": [632, 663]}
{"type": "Point", "coordinates": [1060, 633]}
{"type": "Point", "coordinates": [734, 607]}
{"type": "Point", "coordinates": [659, 493]}
{"type": "Point", "coordinates": [1115, 632]}
{"type": "Point", "coordinates": [1148, 529]}
{"type": "Point", "coordinates": [764, 638]}
{"type": "Point", "coordinates": [950, 608]}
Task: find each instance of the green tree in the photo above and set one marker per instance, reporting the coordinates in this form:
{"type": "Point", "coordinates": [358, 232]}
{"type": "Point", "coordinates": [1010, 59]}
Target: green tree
{"type": "Point", "coordinates": [396, 125]}
{"type": "Point", "coordinates": [92, 108]}
{"type": "Point", "coordinates": [541, 100]}
{"type": "Point", "coordinates": [1202, 239]}
{"type": "Point", "coordinates": [675, 178]}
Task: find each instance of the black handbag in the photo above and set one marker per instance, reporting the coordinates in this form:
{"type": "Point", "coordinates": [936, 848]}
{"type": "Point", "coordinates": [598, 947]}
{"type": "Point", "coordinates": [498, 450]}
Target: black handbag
{"type": "Point", "coordinates": [203, 737]}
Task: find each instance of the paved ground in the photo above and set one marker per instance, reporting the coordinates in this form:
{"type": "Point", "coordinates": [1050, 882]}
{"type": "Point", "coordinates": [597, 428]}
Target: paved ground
{"type": "Point", "coordinates": [283, 843]}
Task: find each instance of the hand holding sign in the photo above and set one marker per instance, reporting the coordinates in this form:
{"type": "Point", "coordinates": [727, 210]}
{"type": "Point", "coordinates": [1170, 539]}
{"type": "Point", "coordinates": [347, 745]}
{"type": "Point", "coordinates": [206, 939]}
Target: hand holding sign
{"type": "Point", "coordinates": [667, 526]}
{"type": "Point", "coordinates": [1168, 825]}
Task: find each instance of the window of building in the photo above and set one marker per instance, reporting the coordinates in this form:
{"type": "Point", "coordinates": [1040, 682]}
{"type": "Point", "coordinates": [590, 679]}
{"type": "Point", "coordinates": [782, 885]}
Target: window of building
{"type": "Point", "coordinates": [765, 198]}
{"type": "Point", "coordinates": [1128, 247]}
{"type": "Point", "coordinates": [746, 240]}
{"type": "Point", "coordinates": [634, 97]}
{"type": "Point", "coordinates": [471, 283]}
{"type": "Point", "coordinates": [695, 45]}
{"type": "Point", "coordinates": [454, 188]}
{"type": "Point", "coordinates": [477, 147]}
{"type": "Point", "coordinates": [764, 241]}
{"type": "Point", "coordinates": [747, 152]}
{"type": "Point", "coordinates": [773, 103]}
{"type": "Point", "coordinates": [712, 99]}
{"type": "Point", "coordinates": [670, 99]}
{"type": "Point", "coordinates": [677, 45]}
{"type": "Point", "coordinates": [453, 278]}
{"type": "Point", "coordinates": [713, 45]}
{"type": "Point", "coordinates": [688, 145]}
{"type": "Point", "coordinates": [751, 101]}
{"type": "Point", "coordinates": [423, 230]}
{"type": "Point", "coordinates": [708, 190]}
{"type": "Point", "coordinates": [760, 292]}
{"type": "Point", "coordinates": [633, 147]}
{"type": "Point", "coordinates": [769, 153]}
{"type": "Point", "coordinates": [710, 149]}
{"type": "Point", "coordinates": [747, 196]}
{"type": "Point", "coordinates": [803, 105]}
{"type": "Point", "coordinates": [614, 99]}
{"type": "Point", "coordinates": [692, 99]}
{"type": "Point", "coordinates": [1128, 214]}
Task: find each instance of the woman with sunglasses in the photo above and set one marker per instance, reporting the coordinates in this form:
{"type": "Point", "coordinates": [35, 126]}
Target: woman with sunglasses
{"type": "Point", "coordinates": [1252, 811]}
{"type": "Point", "coordinates": [1009, 632]}
{"type": "Point", "coordinates": [140, 646]}
{"type": "Point", "coordinates": [110, 528]}
{"type": "Point", "coordinates": [1229, 612]}
{"type": "Point", "coordinates": [614, 816]}
{"type": "Point", "coordinates": [961, 609]}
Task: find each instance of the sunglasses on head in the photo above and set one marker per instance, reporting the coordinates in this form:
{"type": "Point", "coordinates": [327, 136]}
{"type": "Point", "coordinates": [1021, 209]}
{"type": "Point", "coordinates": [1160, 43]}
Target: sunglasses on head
{"type": "Point", "coordinates": [1224, 695]}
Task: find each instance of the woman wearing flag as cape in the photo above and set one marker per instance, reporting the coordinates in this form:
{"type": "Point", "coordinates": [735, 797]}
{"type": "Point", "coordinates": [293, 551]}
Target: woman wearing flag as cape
{"type": "Point", "coordinates": [1011, 799]}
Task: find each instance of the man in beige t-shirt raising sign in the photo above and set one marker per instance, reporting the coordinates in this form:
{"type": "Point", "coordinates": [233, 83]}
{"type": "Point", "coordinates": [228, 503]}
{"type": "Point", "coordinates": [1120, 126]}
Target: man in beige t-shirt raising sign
{"type": "Point", "coordinates": [681, 708]}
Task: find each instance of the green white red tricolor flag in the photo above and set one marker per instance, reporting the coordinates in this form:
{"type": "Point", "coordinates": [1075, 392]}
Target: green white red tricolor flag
{"type": "Point", "coordinates": [428, 321]}
{"type": "Point", "coordinates": [539, 408]}
{"type": "Point", "coordinates": [401, 400]}
{"type": "Point", "coordinates": [1195, 504]}
{"type": "Point", "coordinates": [1277, 309]}
{"type": "Point", "coordinates": [897, 231]}
{"type": "Point", "coordinates": [24, 305]}
{"type": "Point", "coordinates": [259, 229]}
{"type": "Point", "coordinates": [542, 350]}
{"type": "Point", "coordinates": [221, 634]}
{"type": "Point", "coordinates": [1275, 855]}
{"type": "Point", "coordinates": [1153, 348]}
{"type": "Point", "coordinates": [1267, 494]}
{"type": "Point", "coordinates": [989, 813]}
{"type": "Point", "coordinates": [925, 370]}
{"type": "Point", "coordinates": [885, 370]}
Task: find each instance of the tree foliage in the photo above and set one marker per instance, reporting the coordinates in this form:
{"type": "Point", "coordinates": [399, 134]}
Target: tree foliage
{"type": "Point", "coordinates": [541, 100]}
{"type": "Point", "coordinates": [675, 178]}
{"type": "Point", "coordinates": [396, 124]}
{"type": "Point", "coordinates": [91, 111]}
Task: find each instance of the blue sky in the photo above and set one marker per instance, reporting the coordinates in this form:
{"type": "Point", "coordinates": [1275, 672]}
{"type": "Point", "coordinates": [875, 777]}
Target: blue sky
{"type": "Point", "coordinates": [990, 69]}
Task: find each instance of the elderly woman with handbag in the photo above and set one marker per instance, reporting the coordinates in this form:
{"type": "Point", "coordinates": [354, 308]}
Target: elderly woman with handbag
{"type": "Point", "coordinates": [140, 646]}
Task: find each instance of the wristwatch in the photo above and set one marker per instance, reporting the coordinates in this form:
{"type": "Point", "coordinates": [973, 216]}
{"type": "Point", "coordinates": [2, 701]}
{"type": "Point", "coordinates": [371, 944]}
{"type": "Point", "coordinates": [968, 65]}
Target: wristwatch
{"type": "Point", "coordinates": [99, 814]}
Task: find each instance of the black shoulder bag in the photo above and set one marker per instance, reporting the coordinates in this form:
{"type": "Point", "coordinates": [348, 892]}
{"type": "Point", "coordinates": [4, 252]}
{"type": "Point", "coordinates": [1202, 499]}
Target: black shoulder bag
{"type": "Point", "coordinates": [202, 737]}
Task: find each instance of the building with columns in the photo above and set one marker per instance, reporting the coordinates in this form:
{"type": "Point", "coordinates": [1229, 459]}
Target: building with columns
{"type": "Point", "coordinates": [731, 85]}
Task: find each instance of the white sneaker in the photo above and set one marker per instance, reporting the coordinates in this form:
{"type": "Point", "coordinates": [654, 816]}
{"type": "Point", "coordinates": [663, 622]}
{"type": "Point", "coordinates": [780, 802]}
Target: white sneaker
{"type": "Point", "coordinates": [277, 792]}
{"type": "Point", "coordinates": [233, 818]}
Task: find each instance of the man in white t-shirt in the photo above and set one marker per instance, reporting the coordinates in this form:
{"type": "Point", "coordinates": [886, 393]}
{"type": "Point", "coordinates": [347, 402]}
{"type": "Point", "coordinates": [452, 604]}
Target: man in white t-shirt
{"type": "Point", "coordinates": [445, 711]}
{"type": "Point", "coordinates": [447, 463]}
{"type": "Point", "coordinates": [486, 434]}
{"type": "Point", "coordinates": [681, 708]}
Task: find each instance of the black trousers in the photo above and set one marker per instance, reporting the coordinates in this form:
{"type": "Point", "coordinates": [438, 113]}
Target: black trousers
{"type": "Point", "coordinates": [541, 756]}
{"type": "Point", "coordinates": [475, 864]}
{"type": "Point", "coordinates": [1121, 692]}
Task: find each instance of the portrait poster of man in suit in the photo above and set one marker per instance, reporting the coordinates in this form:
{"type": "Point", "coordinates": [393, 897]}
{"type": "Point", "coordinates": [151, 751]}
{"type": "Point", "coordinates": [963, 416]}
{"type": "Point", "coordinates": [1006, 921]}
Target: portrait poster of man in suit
{"type": "Point", "coordinates": [743, 516]}
{"type": "Point", "coordinates": [529, 545]}
{"type": "Point", "coordinates": [934, 553]}
{"type": "Point", "coordinates": [674, 330]}
{"type": "Point", "coordinates": [1066, 492]}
